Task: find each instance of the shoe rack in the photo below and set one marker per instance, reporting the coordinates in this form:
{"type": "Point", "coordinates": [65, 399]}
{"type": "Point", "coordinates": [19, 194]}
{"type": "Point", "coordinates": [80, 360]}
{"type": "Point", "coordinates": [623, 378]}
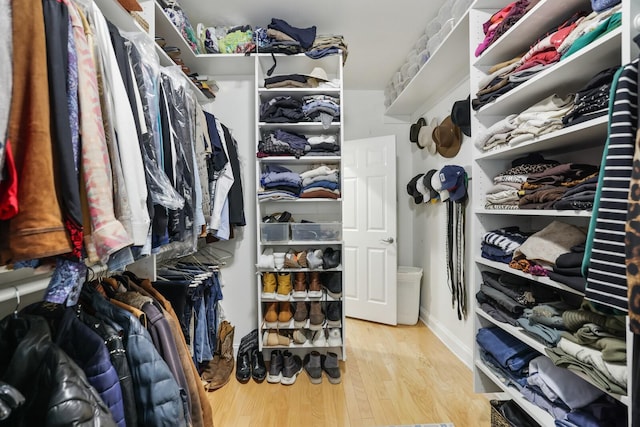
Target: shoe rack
{"type": "Point", "coordinates": [300, 273]}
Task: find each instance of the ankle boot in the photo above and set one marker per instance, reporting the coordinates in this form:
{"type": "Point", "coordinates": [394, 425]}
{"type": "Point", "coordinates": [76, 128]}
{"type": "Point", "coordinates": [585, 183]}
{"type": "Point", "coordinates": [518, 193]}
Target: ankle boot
{"type": "Point", "coordinates": [285, 315]}
{"type": "Point", "coordinates": [316, 316]}
{"type": "Point", "coordinates": [268, 285]}
{"type": "Point", "coordinates": [302, 314]}
{"type": "Point", "coordinates": [300, 285]}
{"type": "Point", "coordinates": [284, 287]}
{"type": "Point", "coordinates": [315, 287]}
{"type": "Point", "coordinates": [271, 315]}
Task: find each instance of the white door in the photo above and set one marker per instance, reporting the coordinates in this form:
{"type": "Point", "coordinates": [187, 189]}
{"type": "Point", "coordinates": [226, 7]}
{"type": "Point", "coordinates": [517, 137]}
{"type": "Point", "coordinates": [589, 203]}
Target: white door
{"type": "Point", "coordinates": [369, 229]}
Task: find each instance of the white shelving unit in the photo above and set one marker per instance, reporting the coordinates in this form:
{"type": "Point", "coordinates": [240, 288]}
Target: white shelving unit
{"type": "Point", "coordinates": [582, 143]}
{"type": "Point", "coordinates": [318, 210]}
{"type": "Point", "coordinates": [443, 69]}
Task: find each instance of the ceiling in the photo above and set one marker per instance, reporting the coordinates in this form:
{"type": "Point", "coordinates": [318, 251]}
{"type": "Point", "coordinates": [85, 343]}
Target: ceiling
{"type": "Point", "coordinates": [379, 33]}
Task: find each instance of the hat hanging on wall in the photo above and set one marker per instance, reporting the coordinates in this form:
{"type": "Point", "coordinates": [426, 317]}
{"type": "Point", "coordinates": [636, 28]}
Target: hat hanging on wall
{"type": "Point", "coordinates": [448, 138]}
{"type": "Point", "coordinates": [453, 178]}
{"type": "Point", "coordinates": [437, 186]}
{"type": "Point", "coordinates": [426, 181]}
{"type": "Point", "coordinates": [461, 115]}
{"type": "Point", "coordinates": [425, 138]}
{"type": "Point", "coordinates": [131, 5]}
{"type": "Point", "coordinates": [413, 191]}
{"type": "Point", "coordinates": [415, 129]}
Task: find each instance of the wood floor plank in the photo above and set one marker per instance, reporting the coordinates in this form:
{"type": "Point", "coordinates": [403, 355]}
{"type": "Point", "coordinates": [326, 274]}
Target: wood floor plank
{"type": "Point", "coordinates": [393, 375]}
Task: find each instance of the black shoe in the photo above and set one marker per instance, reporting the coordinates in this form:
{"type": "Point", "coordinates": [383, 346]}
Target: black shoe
{"type": "Point", "coordinates": [331, 368]}
{"type": "Point", "coordinates": [330, 258]}
{"type": "Point", "coordinates": [313, 366]}
{"type": "Point", "coordinates": [243, 368]}
{"type": "Point", "coordinates": [258, 370]}
{"type": "Point", "coordinates": [292, 367]}
{"type": "Point", "coordinates": [332, 281]}
{"type": "Point", "coordinates": [275, 367]}
{"type": "Point", "coordinates": [334, 313]}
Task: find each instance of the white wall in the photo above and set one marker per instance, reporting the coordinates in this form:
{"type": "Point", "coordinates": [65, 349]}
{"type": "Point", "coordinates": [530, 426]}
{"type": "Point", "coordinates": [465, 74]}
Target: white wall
{"type": "Point", "coordinates": [429, 244]}
{"type": "Point", "coordinates": [421, 228]}
{"type": "Point", "coordinates": [234, 107]}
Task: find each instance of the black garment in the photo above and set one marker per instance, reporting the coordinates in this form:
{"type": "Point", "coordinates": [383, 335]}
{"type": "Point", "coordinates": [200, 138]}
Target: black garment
{"type": "Point", "coordinates": [56, 390]}
{"type": "Point", "coordinates": [606, 276]}
{"type": "Point", "coordinates": [277, 79]}
{"type": "Point", "coordinates": [236, 202]}
{"type": "Point", "coordinates": [180, 221]}
{"type": "Point", "coordinates": [118, 43]}
{"type": "Point", "coordinates": [486, 98]}
{"type": "Point", "coordinates": [306, 36]}
{"type": "Point", "coordinates": [56, 20]}
{"type": "Point", "coordinates": [592, 100]}
{"type": "Point", "coordinates": [118, 357]}
{"type": "Point", "coordinates": [281, 109]}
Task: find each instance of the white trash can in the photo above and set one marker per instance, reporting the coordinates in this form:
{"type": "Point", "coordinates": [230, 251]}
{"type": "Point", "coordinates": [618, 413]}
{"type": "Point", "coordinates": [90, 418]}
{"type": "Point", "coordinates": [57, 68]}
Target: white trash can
{"type": "Point", "coordinates": [408, 280]}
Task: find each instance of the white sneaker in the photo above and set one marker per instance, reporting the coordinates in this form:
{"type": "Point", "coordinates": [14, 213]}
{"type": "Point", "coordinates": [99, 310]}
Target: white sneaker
{"type": "Point", "coordinates": [335, 337]}
{"type": "Point", "coordinates": [318, 339]}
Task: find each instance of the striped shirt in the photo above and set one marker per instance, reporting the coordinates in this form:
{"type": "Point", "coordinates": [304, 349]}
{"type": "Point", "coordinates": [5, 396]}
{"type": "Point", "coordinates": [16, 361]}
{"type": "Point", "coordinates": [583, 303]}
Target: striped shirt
{"type": "Point", "coordinates": [606, 276]}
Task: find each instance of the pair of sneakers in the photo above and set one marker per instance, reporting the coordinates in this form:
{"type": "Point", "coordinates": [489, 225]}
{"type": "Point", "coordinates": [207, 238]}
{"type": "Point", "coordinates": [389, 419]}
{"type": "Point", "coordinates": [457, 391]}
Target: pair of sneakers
{"type": "Point", "coordinates": [284, 367]}
{"type": "Point", "coordinates": [318, 338]}
{"type": "Point", "coordinates": [315, 364]}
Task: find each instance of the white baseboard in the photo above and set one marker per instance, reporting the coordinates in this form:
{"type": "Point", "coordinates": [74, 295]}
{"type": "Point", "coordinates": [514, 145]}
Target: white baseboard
{"type": "Point", "coordinates": [457, 347]}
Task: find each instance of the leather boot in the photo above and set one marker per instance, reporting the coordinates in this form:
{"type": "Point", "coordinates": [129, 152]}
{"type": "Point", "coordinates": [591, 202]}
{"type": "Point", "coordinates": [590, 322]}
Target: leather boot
{"type": "Point", "coordinates": [268, 285]}
{"type": "Point", "coordinates": [316, 316]}
{"type": "Point", "coordinates": [218, 371]}
{"type": "Point", "coordinates": [302, 314]}
{"type": "Point", "coordinates": [300, 285]}
{"type": "Point", "coordinates": [315, 287]}
{"type": "Point", "coordinates": [284, 287]}
{"type": "Point", "coordinates": [271, 315]}
{"type": "Point", "coordinates": [285, 314]}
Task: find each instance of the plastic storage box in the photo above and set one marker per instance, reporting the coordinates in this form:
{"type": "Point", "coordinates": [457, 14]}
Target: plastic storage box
{"type": "Point", "coordinates": [274, 232]}
{"type": "Point", "coordinates": [316, 231]}
{"type": "Point", "coordinates": [408, 280]}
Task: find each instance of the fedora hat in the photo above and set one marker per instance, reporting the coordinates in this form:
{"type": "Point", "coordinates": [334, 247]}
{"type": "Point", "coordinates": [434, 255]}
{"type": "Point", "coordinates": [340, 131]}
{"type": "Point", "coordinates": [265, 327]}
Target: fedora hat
{"type": "Point", "coordinates": [461, 115]}
{"type": "Point", "coordinates": [318, 73]}
{"type": "Point", "coordinates": [425, 139]}
{"type": "Point", "coordinates": [448, 138]}
{"type": "Point", "coordinates": [415, 129]}
{"type": "Point", "coordinates": [131, 5]}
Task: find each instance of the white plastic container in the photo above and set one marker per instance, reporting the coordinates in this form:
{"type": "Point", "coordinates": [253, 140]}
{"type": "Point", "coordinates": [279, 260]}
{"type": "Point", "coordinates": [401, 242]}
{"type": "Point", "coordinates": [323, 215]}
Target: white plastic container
{"type": "Point", "coordinates": [408, 280]}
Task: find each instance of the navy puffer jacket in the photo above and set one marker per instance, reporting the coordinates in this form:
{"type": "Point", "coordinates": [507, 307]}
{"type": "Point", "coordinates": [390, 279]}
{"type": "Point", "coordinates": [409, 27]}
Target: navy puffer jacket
{"type": "Point", "coordinates": [158, 397]}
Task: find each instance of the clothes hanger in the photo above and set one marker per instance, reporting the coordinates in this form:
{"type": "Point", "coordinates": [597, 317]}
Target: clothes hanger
{"type": "Point", "coordinates": [15, 312]}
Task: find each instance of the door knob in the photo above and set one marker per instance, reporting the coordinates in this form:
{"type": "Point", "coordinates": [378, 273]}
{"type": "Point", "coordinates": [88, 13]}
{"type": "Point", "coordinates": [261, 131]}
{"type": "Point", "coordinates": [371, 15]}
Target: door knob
{"type": "Point", "coordinates": [387, 240]}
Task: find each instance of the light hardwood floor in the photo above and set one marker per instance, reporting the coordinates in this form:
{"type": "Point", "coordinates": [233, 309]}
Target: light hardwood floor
{"type": "Point", "coordinates": [392, 375]}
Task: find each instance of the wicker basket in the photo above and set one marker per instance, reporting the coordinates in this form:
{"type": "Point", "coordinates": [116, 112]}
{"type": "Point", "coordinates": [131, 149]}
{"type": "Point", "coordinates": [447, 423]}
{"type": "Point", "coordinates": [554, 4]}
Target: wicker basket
{"type": "Point", "coordinates": [497, 419]}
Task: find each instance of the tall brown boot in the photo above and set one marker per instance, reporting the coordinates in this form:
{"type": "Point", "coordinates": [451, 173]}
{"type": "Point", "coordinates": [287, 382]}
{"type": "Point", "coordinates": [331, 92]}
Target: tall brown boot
{"type": "Point", "coordinates": [219, 369]}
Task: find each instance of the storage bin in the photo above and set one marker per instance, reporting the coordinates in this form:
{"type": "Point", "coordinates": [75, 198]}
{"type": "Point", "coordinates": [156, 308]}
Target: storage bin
{"type": "Point", "coordinates": [274, 232]}
{"type": "Point", "coordinates": [316, 231]}
{"type": "Point", "coordinates": [408, 299]}
{"type": "Point", "coordinates": [499, 420]}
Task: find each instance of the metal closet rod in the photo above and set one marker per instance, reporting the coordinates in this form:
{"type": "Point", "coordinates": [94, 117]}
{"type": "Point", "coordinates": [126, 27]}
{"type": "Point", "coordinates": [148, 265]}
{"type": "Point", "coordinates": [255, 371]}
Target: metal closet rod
{"type": "Point", "coordinates": [9, 293]}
